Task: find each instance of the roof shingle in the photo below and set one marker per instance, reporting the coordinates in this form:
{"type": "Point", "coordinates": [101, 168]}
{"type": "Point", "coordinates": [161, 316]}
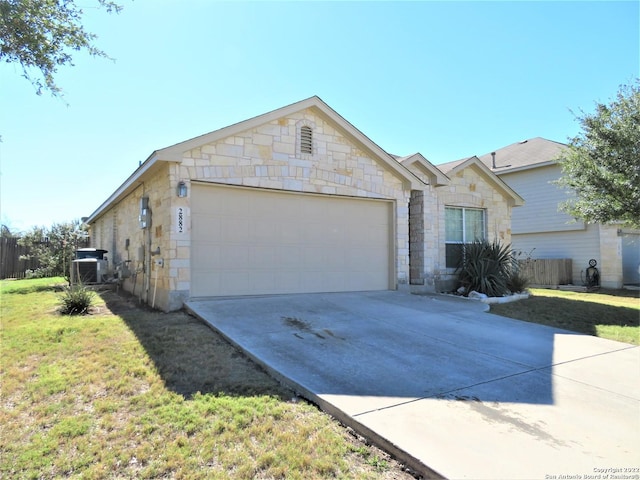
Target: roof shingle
{"type": "Point", "coordinates": [527, 153]}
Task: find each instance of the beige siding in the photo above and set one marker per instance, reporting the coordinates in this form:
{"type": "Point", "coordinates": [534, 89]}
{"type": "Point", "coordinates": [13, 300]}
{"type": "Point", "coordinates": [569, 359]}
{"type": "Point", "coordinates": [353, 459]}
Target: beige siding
{"type": "Point", "coordinates": [541, 227]}
{"type": "Point", "coordinates": [540, 212]}
{"type": "Point", "coordinates": [579, 246]}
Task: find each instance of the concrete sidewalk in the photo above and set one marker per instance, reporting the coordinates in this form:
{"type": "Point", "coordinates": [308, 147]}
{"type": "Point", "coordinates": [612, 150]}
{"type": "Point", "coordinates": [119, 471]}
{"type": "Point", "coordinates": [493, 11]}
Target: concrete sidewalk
{"type": "Point", "coordinates": [451, 390]}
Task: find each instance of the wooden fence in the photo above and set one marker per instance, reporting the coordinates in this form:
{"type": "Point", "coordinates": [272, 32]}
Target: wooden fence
{"type": "Point", "coordinates": [11, 263]}
{"type": "Point", "coordinates": [547, 271]}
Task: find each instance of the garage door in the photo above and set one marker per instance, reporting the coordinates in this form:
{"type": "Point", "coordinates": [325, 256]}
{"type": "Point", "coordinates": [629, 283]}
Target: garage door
{"type": "Point", "coordinates": [249, 241]}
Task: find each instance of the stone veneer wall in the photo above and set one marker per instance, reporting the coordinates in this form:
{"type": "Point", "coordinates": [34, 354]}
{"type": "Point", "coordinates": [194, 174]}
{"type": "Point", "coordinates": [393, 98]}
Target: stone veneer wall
{"type": "Point", "coordinates": [416, 238]}
{"type": "Point", "coordinates": [424, 244]}
{"type": "Point", "coordinates": [469, 188]}
{"type": "Point", "coordinates": [121, 222]}
{"type": "Point", "coordinates": [267, 157]}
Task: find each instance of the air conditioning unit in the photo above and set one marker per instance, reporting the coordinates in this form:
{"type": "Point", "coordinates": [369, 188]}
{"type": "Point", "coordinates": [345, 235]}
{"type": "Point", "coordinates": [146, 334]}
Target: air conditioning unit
{"type": "Point", "coordinates": [90, 266]}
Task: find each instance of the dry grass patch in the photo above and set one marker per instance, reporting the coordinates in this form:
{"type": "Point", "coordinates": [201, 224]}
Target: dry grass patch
{"type": "Point", "coordinates": [131, 393]}
{"type": "Point", "coordinates": [611, 314]}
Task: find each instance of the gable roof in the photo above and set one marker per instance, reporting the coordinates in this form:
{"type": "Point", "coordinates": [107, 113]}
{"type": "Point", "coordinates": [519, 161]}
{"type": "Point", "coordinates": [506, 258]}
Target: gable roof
{"type": "Point", "coordinates": [497, 182]}
{"type": "Point", "coordinates": [531, 153]}
{"type": "Point", "coordinates": [175, 152]}
{"type": "Point", "coordinates": [436, 177]}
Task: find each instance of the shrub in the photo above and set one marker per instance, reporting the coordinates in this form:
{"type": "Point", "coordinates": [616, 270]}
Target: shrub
{"type": "Point", "coordinates": [38, 273]}
{"type": "Point", "coordinates": [76, 300]}
{"type": "Point", "coordinates": [486, 267]}
{"type": "Point", "coordinates": [517, 282]}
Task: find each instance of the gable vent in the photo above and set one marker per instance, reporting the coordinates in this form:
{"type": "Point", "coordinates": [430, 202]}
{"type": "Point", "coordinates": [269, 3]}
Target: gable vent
{"type": "Point", "coordinates": [306, 139]}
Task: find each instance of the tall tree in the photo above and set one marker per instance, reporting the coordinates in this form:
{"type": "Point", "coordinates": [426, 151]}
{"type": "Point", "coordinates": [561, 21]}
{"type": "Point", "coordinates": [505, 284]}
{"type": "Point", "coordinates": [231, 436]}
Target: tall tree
{"type": "Point", "coordinates": [41, 35]}
{"type": "Point", "coordinates": [602, 163]}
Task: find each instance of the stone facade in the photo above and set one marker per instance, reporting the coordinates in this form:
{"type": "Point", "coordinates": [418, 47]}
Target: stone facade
{"type": "Point", "coordinates": [472, 188]}
{"type": "Point", "coordinates": [155, 262]}
{"type": "Point", "coordinates": [468, 187]}
{"type": "Point", "coordinates": [144, 258]}
{"type": "Point", "coordinates": [266, 157]}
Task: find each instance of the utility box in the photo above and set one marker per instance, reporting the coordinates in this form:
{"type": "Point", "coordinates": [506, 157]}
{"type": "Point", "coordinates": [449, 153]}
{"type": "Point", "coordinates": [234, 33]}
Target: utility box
{"type": "Point", "coordinates": [89, 267]}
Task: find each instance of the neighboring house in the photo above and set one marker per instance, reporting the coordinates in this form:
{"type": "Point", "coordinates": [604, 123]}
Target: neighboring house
{"type": "Point", "coordinates": [530, 168]}
{"type": "Point", "coordinates": [293, 201]}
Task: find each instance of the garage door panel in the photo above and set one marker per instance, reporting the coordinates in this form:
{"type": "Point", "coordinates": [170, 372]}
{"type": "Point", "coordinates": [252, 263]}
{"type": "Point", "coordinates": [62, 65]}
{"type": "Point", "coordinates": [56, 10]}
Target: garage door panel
{"type": "Point", "coordinates": [234, 257]}
{"type": "Point", "coordinates": [211, 228]}
{"type": "Point", "coordinates": [290, 233]}
{"type": "Point", "coordinates": [335, 235]}
{"type": "Point", "coordinates": [361, 260]}
{"type": "Point", "coordinates": [263, 257]}
{"type": "Point", "coordinates": [376, 234]}
{"type": "Point", "coordinates": [313, 258]}
{"type": "Point", "coordinates": [251, 241]}
{"type": "Point", "coordinates": [289, 257]}
{"type": "Point", "coordinates": [233, 228]}
{"type": "Point", "coordinates": [232, 282]}
{"type": "Point", "coordinates": [263, 230]}
{"type": "Point", "coordinates": [236, 206]}
{"type": "Point", "coordinates": [263, 281]}
{"type": "Point", "coordinates": [208, 255]}
{"type": "Point", "coordinates": [314, 233]}
{"type": "Point", "coordinates": [205, 282]}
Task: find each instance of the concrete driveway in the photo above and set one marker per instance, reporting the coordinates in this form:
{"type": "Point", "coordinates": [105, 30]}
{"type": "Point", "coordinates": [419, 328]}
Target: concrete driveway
{"type": "Point", "coordinates": [450, 389]}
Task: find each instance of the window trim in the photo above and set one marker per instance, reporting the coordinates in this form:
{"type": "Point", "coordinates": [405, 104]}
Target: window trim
{"type": "Point", "coordinates": [464, 241]}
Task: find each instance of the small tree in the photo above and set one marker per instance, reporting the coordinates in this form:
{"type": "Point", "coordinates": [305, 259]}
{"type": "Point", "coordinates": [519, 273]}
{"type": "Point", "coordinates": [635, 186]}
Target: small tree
{"type": "Point", "coordinates": [54, 248]}
{"type": "Point", "coordinates": [601, 166]}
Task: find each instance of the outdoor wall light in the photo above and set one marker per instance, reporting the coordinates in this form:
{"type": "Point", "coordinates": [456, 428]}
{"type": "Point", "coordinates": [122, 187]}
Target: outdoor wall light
{"type": "Point", "coordinates": [182, 189]}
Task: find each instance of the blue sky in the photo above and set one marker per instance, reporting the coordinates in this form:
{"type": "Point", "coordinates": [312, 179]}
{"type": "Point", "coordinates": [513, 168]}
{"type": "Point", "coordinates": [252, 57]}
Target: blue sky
{"type": "Point", "coordinates": [446, 79]}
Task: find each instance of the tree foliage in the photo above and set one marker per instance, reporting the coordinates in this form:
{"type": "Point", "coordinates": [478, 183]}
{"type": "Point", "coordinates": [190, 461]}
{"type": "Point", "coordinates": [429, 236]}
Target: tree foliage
{"type": "Point", "coordinates": [42, 35]}
{"type": "Point", "coordinates": [601, 165]}
{"type": "Point", "coordinates": [54, 247]}
{"type": "Point", "coordinates": [5, 232]}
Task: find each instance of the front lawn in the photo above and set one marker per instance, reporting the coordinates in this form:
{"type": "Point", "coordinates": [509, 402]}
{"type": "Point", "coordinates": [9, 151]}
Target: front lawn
{"type": "Point", "coordinates": [612, 314]}
{"type": "Point", "coordinates": [127, 392]}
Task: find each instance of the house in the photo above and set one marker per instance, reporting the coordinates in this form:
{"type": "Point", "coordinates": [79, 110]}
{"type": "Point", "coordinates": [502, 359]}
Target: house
{"type": "Point", "coordinates": [296, 200]}
{"type": "Point", "coordinates": [530, 167]}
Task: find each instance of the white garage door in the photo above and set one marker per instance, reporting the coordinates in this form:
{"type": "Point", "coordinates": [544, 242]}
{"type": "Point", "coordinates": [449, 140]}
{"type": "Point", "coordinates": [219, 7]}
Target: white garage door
{"type": "Point", "coordinates": [248, 241]}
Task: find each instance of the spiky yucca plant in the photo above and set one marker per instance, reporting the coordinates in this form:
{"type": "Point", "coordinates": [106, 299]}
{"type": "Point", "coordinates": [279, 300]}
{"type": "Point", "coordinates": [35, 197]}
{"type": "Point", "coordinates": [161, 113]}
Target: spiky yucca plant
{"type": "Point", "coordinates": [486, 267]}
{"type": "Point", "coordinates": [76, 300]}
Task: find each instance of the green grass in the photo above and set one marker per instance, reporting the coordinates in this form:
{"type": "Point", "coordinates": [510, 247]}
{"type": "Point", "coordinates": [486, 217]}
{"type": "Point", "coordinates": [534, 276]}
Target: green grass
{"type": "Point", "coordinates": [611, 314]}
{"type": "Point", "coordinates": [131, 393]}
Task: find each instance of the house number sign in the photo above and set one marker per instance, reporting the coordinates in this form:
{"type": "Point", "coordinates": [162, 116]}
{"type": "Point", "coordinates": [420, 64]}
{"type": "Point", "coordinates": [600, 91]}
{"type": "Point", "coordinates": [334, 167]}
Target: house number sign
{"type": "Point", "coordinates": [181, 219]}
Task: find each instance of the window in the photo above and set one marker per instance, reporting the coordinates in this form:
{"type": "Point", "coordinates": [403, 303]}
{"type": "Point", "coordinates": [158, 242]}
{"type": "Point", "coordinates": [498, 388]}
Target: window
{"type": "Point", "coordinates": [462, 225]}
{"type": "Point", "coordinates": [306, 139]}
